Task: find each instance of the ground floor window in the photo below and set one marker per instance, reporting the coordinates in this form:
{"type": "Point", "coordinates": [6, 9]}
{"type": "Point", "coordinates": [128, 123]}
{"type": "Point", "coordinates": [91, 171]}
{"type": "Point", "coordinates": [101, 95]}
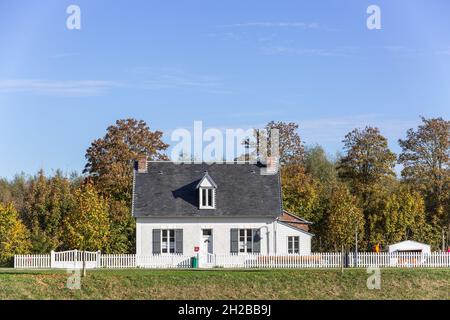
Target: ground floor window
{"type": "Point", "coordinates": [246, 240]}
{"type": "Point", "coordinates": [168, 241]}
{"type": "Point", "coordinates": [293, 245]}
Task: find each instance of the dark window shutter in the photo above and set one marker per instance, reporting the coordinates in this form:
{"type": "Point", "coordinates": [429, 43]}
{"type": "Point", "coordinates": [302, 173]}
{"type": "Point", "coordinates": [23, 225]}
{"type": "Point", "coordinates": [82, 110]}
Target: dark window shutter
{"type": "Point", "coordinates": [179, 241]}
{"type": "Point", "coordinates": [211, 243]}
{"type": "Point", "coordinates": [234, 237]}
{"type": "Point", "coordinates": [256, 240]}
{"type": "Point", "coordinates": [156, 241]}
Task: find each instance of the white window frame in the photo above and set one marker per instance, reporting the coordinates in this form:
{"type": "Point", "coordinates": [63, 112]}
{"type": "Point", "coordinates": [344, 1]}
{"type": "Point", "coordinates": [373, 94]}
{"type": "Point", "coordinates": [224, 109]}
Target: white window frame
{"type": "Point", "coordinates": [243, 243]}
{"type": "Point", "coordinates": [210, 201]}
{"type": "Point", "coordinates": [293, 250]}
{"type": "Point", "coordinates": [168, 242]}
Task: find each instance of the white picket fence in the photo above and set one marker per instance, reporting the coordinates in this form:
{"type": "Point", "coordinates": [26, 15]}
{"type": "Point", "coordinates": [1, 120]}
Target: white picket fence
{"type": "Point", "coordinates": [74, 259]}
{"type": "Point", "coordinates": [122, 261]}
{"type": "Point", "coordinates": [315, 260]}
{"type": "Point", "coordinates": [32, 261]}
{"type": "Point", "coordinates": [400, 260]}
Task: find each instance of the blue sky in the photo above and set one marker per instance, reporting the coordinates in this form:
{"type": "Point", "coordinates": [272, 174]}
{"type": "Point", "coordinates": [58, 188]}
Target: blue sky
{"type": "Point", "coordinates": [231, 64]}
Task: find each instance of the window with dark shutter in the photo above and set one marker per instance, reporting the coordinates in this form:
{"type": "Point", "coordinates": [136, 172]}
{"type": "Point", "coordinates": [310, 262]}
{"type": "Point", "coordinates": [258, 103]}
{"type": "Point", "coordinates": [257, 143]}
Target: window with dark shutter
{"type": "Point", "coordinates": [179, 241]}
{"type": "Point", "coordinates": [156, 241]}
{"type": "Point", "coordinates": [234, 241]}
{"type": "Point", "coordinates": [256, 241]}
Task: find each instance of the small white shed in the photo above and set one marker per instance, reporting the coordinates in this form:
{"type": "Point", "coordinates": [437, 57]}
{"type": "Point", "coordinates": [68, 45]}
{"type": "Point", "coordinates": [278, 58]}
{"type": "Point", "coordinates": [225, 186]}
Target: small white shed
{"type": "Point", "coordinates": [409, 246]}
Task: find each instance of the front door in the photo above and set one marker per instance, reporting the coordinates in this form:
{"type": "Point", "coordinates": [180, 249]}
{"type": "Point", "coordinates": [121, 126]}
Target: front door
{"type": "Point", "coordinates": [207, 241]}
{"type": "Point", "coordinates": [206, 247]}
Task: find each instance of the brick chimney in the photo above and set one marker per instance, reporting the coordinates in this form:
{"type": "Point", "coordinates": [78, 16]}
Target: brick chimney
{"type": "Point", "coordinates": [142, 163]}
{"type": "Point", "coordinates": [272, 165]}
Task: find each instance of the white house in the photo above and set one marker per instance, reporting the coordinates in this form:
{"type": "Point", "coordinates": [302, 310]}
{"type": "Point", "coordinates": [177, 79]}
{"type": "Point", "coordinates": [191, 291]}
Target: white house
{"type": "Point", "coordinates": [409, 246]}
{"type": "Point", "coordinates": [213, 208]}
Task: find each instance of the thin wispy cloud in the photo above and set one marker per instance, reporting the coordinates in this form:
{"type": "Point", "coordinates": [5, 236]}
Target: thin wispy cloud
{"type": "Point", "coordinates": [402, 51]}
{"type": "Point", "coordinates": [443, 52]}
{"type": "Point", "coordinates": [395, 51]}
{"type": "Point", "coordinates": [59, 87]}
{"type": "Point", "coordinates": [226, 35]}
{"type": "Point", "coordinates": [301, 25]}
{"type": "Point", "coordinates": [321, 52]}
{"type": "Point", "coordinates": [182, 80]}
{"type": "Point", "coordinates": [65, 55]}
{"type": "Point", "coordinates": [177, 78]}
{"type": "Point", "coordinates": [170, 79]}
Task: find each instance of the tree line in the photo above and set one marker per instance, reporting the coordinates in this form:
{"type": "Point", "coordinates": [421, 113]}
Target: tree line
{"type": "Point", "coordinates": [356, 199]}
{"type": "Point", "coordinates": [355, 195]}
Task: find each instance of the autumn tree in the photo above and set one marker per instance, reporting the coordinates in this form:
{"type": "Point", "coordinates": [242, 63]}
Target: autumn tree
{"type": "Point", "coordinates": [110, 159]}
{"type": "Point", "coordinates": [301, 193]}
{"type": "Point", "coordinates": [344, 219]}
{"type": "Point", "coordinates": [110, 168]}
{"type": "Point", "coordinates": [290, 147]}
{"type": "Point", "coordinates": [13, 234]}
{"type": "Point", "coordinates": [87, 225]}
{"type": "Point", "coordinates": [426, 165]}
{"type": "Point", "coordinates": [367, 160]}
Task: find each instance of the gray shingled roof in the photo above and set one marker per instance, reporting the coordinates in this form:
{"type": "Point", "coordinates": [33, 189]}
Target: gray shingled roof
{"type": "Point", "coordinates": [169, 190]}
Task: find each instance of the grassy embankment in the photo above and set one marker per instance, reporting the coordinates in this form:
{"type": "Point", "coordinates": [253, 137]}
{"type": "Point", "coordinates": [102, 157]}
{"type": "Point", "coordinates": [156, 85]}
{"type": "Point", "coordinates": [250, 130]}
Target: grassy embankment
{"type": "Point", "coordinates": [227, 284]}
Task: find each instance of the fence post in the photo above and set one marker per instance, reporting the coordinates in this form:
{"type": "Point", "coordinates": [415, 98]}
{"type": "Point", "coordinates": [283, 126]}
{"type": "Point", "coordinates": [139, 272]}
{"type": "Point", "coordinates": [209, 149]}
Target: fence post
{"type": "Point", "coordinates": [99, 259]}
{"type": "Point", "coordinates": [52, 259]}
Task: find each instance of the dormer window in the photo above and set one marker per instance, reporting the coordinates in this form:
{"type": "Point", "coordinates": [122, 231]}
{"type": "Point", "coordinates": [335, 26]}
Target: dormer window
{"type": "Point", "coordinates": [207, 198]}
{"type": "Point", "coordinates": [207, 192]}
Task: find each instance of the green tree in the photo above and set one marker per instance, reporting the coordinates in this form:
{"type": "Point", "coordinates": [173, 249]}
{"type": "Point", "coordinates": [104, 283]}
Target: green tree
{"type": "Point", "coordinates": [87, 223]}
{"type": "Point", "coordinates": [319, 166]}
{"type": "Point", "coordinates": [46, 203]}
{"type": "Point", "coordinates": [344, 219]}
{"type": "Point", "coordinates": [13, 234]}
{"type": "Point", "coordinates": [14, 191]}
{"type": "Point", "coordinates": [404, 216]}
{"type": "Point", "coordinates": [426, 166]}
{"type": "Point", "coordinates": [122, 224]}
{"type": "Point", "coordinates": [368, 168]}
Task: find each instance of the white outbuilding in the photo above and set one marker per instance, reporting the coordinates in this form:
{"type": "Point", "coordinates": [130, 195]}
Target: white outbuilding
{"type": "Point", "coordinates": [409, 246]}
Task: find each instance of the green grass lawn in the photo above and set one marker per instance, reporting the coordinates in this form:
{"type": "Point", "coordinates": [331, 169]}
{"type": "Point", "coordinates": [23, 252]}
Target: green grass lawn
{"type": "Point", "coordinates": [227, 284]}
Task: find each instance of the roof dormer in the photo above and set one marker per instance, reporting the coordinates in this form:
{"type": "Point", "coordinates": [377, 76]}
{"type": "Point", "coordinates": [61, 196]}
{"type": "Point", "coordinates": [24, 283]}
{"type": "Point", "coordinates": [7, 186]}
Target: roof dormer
{"type": "Point", "coordinates": [207, 192]}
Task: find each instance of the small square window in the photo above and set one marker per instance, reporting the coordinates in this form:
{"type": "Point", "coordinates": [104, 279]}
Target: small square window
{"type": "Point", "coordinates": [293, 245]}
